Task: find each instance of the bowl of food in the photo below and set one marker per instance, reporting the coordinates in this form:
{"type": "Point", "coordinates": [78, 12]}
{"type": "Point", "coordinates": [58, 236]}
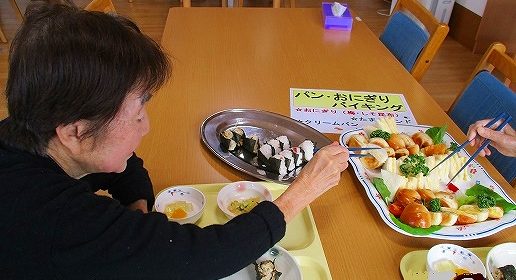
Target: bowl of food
{"type": "Point", "coordinates": [181, 204]}
{"type": "Point", "coordinates": [241, 197]}
{"type": "Point", "coordinates": [501, 262]}
{"type": "Point", "coordinates": [447, 261]}
{"type": "Point", "coordinates": [276, 263]}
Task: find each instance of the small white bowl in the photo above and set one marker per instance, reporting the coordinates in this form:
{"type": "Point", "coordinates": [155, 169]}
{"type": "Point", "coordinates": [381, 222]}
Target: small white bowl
{"type": "Point", "coordinates": [501, 255]}
{"type": "Point", "coordinates": [182, 193]}
{"type": "Point", "coordinates": [460, 256]}
{"type": "Point", "coordinates": [241, 191]}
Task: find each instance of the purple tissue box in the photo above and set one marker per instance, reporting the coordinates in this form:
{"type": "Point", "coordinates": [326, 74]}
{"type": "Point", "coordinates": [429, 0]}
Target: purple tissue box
{"type": "Point", "coordinates": [345, 22]}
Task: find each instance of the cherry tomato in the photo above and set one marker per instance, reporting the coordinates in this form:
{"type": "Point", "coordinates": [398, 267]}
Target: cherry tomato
{"type": "Point", "coordinates": [395, 209]}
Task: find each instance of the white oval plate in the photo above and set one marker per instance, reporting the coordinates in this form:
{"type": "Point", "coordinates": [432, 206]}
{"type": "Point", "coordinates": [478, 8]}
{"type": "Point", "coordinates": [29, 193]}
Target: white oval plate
{"type": "Point", "coordinates": [478, 175]}
{"type": "Point", "coordinates": [283, 261]}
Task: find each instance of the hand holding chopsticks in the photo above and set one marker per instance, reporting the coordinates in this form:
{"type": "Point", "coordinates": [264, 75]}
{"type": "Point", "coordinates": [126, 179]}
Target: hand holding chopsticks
{"type": "Point", "coordinates": [507, 119]}
{"type": "Point", "coordinates": [504, 141]}
{"type": "Point", "coordinates": [463, 145]}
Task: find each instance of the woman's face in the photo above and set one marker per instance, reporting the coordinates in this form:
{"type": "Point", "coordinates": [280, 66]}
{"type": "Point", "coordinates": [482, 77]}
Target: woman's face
{"type": "Point", "coordinates": [109, 152]}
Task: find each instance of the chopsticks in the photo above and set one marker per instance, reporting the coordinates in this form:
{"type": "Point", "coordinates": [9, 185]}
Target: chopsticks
{"type": "Point", "coordinates": [463, 145]}
{"type": "Point", "coordinates": [486, 142]}
{"type": "Point", "coordinates": [357, 149]}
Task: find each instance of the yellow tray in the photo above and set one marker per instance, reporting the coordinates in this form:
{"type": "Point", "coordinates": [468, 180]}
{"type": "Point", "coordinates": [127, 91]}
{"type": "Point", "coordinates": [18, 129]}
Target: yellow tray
{"type": "Point", "coordinates": [301, 238]}
{"type": "Point", "coordinates": [413, 264]}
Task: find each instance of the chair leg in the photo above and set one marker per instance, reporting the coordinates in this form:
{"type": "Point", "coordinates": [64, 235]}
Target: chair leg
{"type": "Point", "coordinates": [292, 3]}
{"type": "Point", "coordinates": [17, 8]}
{"type": "Point", "coordinates": [2, 36]}
{"type": "Point", "coordinates": [240, 3]}
{"type": "Point", "coordinates": [224, 3]}
{"type": "Point", "coordinates": [187, 3]}
{"type": "Point", "coordinates": [276, 3]}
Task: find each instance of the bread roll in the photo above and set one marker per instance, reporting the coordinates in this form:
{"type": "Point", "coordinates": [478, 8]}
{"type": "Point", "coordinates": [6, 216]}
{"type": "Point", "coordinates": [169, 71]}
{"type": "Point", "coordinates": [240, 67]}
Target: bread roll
{"type": "Point", "coordinates": [426, 195]}
{"type": "Point", "coordinates": [379, 141]}
{"type": "Point", "coordinates": [437, 218]}
{"type": "Point", "coordinates": [447, 200]}
{"type": "Point", "coordinates": [390, 152]}
{"type": "Point", "coordinates": [495, 212]}
{"type": "Point", "coordinates": [407, 139]}
{"type": "Point", "coordinates": [401, 152]}
{"type": "Point", "coordinates": [416, 215]}
{"type": "Point", "coordinates": [406, 196]}
{"type": "Point", "coordinates": [356, 141]}
{"type": "Point", "coordinates": [422, 139]}
{"type": "Point", "coordinates": [438, 149]}
{"type": "Point", "coordinates": [414, 149]}
{"type": "Point", "coordinates": [482, 214]}
{"type": "Point", "coordinates": [465, 218]}
{"type": "Point", "coordinates": [370, 162]}
{"type": "Point", "coordinates": [448, 218]}
{"type": "Point", "coordinates": [396, 141]}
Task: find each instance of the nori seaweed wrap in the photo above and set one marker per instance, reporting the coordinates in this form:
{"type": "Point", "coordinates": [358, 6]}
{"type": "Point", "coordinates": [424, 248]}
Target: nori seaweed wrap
{"type": "Point", "coordinates": [264, 154]}
{"type": "Point", "coordinates": [507, 272]}
{"type": "Point", "coordinates": [238, 136]}
{"type": "Point", "coordinates": [227, 141]}
{"type": "Point", "coordinates": [275, 145]}
{"type": "Point", "coordinates": [252, 144]}
{"type": "Point", "coordinates": [297, 153]}
{"type": "Point", "coordinates": [284, 142]}
{"type": "Point", "coordinates": [277, 164]}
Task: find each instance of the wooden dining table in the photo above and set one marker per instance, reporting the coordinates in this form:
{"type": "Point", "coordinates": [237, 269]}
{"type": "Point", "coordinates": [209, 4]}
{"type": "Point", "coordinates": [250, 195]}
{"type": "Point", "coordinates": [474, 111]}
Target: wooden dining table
{"type": "Point", "coordinates": [250, 58]}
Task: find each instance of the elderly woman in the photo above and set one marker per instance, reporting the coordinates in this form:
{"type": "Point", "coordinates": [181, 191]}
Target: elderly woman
{"type": "Point", "coordinates": [77, 88]}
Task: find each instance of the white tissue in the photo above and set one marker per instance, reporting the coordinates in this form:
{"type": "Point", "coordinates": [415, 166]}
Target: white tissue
{"type": "Point", "coordinates": [337, 9]}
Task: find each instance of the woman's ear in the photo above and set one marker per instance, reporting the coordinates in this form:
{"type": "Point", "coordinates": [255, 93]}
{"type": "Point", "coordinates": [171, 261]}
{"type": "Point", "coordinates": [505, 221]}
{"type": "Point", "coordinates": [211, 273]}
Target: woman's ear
{"type": "Point", "coordinates": [70, 136]}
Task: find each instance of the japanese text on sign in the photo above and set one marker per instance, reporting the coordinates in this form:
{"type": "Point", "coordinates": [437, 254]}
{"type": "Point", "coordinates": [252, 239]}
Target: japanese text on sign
{"type": "Point", "coordinates": [362, 101]}
{"type": "Point", "coordinates": [335, 111]}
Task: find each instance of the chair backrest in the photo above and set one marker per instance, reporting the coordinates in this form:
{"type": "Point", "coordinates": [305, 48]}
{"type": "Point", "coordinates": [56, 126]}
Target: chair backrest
{"type": "Point", "coordinates": [412, 45]}
{"type": "Point", "coordinates": [105, 6]}
{"type": "Point", "coordinates": [485, 97]}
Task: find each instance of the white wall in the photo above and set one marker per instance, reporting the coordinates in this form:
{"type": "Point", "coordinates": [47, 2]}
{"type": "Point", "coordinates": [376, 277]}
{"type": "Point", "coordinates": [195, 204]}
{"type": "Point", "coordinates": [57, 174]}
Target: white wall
{"type": "Point", "coordinates": [476, 6]}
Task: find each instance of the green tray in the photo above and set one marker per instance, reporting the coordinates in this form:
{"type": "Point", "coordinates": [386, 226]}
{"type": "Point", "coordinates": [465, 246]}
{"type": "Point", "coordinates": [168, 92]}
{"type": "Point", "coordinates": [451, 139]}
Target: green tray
{"type": "Point", "coordinates": [301, 239]}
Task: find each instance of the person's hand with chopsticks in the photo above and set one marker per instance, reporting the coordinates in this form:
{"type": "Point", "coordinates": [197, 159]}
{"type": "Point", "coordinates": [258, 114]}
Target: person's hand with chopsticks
{"type": "Point", "coordinates": [504, 140]}
{"type": "Point", "coordinates": [320, 174]}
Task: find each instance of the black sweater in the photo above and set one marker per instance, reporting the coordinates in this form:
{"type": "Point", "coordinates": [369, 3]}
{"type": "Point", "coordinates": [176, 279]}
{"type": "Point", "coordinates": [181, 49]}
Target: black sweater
{"type": "Point", "coordinates": [54, 227]}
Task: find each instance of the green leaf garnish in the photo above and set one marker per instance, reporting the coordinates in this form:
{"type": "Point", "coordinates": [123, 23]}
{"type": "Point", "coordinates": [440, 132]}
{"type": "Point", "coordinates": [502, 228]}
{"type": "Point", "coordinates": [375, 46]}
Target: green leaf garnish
{"type": "Point", "coordinates": [413, 230]}
{"type": "Point", "coordinates": [478, 189]}
{"type": "Point", "coordinates": [436, 133]}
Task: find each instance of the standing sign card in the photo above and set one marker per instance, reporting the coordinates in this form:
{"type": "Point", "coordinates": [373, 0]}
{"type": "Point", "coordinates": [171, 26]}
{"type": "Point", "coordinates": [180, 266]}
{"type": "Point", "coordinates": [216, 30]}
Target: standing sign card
{"type": "Point", "coordinates": [335, 111]}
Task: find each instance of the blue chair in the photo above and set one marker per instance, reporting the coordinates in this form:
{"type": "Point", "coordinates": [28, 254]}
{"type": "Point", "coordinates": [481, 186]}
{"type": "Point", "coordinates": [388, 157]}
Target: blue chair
{"type": "Point", "coordinates": [413, 43]}
{"type": "Point", "coordinates": [485, 97]}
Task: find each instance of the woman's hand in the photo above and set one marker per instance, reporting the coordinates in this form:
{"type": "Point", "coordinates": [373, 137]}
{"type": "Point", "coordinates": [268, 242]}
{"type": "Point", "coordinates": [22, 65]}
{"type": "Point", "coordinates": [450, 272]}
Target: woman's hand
{"type": "Point", "coordinates": [504, 140]}
{"type": "Point", "coordinates": [319, 175]}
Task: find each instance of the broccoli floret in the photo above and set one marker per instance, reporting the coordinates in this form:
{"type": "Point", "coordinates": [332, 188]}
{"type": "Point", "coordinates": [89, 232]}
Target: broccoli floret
{"type": "Point", "coordinates": [453, 146]}
{"type": "Point", "coordinates": [381, 134]}
{"type": "Point", "coordinates": [485, 201]}
{"type": "Point", "coordinates": [413, 165]}
{"type": "Point", "coordinates": [434, 205]}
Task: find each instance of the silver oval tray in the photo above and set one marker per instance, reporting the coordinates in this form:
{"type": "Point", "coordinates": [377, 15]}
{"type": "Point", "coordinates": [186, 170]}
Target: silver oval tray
{"type": "Point", "coordinates": [265, 125]}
